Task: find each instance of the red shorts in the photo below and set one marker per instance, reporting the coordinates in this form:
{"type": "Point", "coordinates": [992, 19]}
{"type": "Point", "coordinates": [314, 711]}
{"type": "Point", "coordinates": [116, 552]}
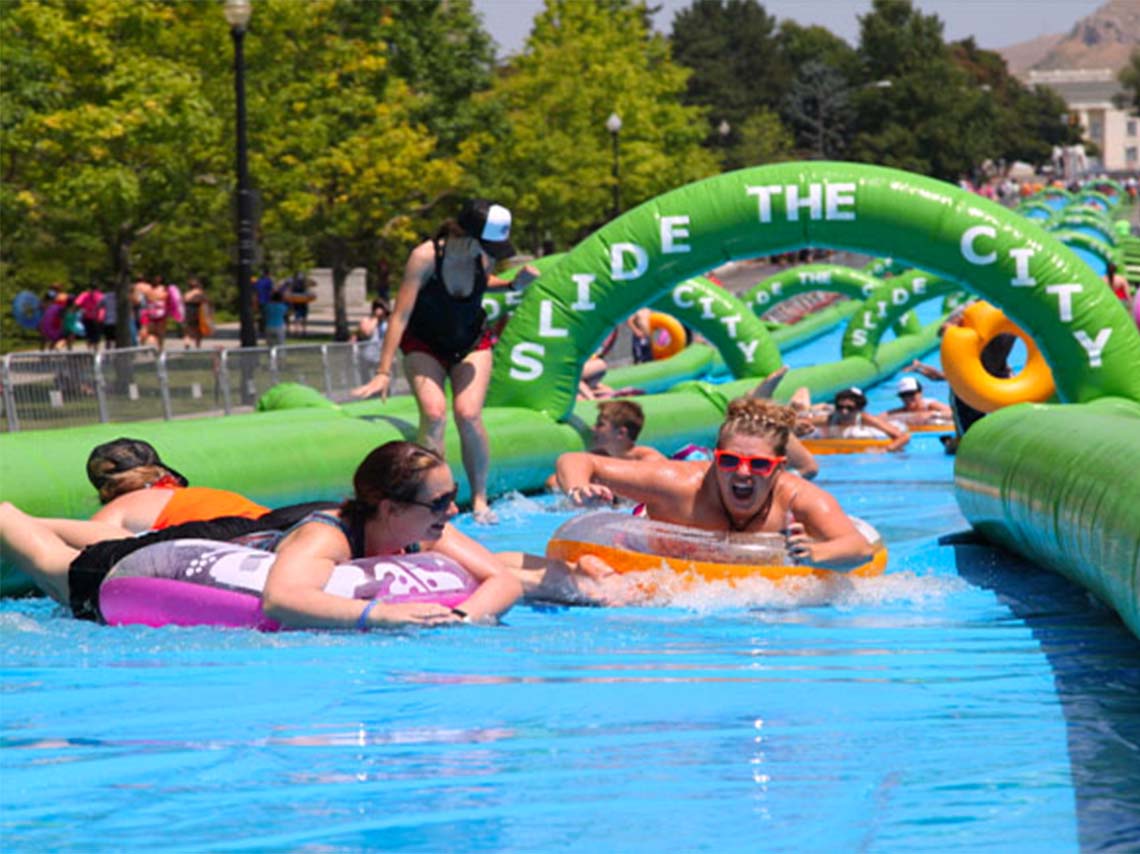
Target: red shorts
{"type": "Point", "coordinates": [411, 344]}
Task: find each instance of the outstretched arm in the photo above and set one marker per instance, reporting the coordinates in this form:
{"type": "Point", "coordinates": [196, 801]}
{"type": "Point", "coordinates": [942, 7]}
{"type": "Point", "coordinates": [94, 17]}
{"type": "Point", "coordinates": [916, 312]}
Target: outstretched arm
{"type": "Point", "coordinates": [498, 588]}
{"type": "Point", "coordinates": [898, 437]}
{"type": "Point", "coordinates": [821, 534]}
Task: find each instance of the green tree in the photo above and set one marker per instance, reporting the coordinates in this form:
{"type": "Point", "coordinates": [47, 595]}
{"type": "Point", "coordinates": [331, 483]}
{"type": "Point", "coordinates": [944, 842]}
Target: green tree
{"type": "Point", "coordinates": [440, 49]}
{"type": "Point", "coordinates": [801, 45]}
{"type": "Point", "coordinates": [340, 161]}
{"type": "Point", "coordinates": [108, 140]}
{"type": "Point", "coordinates": [916, 109]}
{"type": "Point", "coordinates": [1027, 123]}
{"type": "Point", "coordinates": [734, 51]}
{"type": "Point", "coordinates": [551, 157]}
{"type": "Point", "coordinates": [818, 107]}
{"type": "Point", "coordinates": [762, 139]}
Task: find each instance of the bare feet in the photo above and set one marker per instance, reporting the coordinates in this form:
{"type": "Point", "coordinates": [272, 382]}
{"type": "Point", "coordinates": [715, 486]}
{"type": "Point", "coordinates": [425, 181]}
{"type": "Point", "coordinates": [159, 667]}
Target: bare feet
{"type": "Point", "coordinates": [482, 513]}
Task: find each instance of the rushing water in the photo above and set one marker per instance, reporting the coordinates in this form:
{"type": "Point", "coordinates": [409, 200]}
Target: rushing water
{"type": "Point", "coordinates": [962, 702]}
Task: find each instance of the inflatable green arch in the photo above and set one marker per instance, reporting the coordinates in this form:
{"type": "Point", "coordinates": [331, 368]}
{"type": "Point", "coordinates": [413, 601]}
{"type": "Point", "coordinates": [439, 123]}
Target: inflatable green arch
{"type": "Point", "coordinates": [1084, 218]}
{"type": "Point", "coordinates": [1086, 336]}
{"type": "Point", "coordinates": [834, 278]}
{"type": "Point", "coordinates": [886, 304]}
{"type": "Point", "coordinates": [1079, 239]}
{"type": "Point", "coordinates": [881, 267]}
{"type": "Point", "coordinates": [1032, 206]}
{"type": "Point", "coordinates": [830, 278]}
{"type": "Point", "coordinates": [737, 333]}
{"type": "Point", "coordinates": [1093, 199]}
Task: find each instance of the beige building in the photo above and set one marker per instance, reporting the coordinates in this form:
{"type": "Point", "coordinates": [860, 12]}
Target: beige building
{"type": "Point", "coordinates": [1089, 94]}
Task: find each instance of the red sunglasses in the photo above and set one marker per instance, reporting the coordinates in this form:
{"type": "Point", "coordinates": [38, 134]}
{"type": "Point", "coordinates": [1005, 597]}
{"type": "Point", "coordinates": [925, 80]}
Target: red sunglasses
{"type": "Point", "coordinates": [759, 464]}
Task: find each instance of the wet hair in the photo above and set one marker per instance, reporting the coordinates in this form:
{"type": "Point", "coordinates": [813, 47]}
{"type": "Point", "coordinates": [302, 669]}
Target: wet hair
{"type": "Point", "coordinates": [747, 416]}
{"type": "Point", "coordinates": [623, 413]}
{"type": "Point", "coordinates": [394, 471]}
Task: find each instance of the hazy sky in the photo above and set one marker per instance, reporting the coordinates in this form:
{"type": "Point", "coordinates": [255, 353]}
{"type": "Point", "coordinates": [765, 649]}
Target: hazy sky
{"type": "Point", "coordinates": [992, 23]}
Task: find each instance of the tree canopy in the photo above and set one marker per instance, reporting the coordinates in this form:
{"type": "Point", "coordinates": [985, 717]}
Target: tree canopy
{"type": "Point", "coordinates": [369, 119]}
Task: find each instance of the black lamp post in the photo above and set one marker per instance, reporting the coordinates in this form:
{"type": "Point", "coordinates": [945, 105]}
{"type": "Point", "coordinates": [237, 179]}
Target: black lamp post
{"type": "Point", "coordinates": [613, 125]}
{"type": "Point", "coordinates": [237, 13]}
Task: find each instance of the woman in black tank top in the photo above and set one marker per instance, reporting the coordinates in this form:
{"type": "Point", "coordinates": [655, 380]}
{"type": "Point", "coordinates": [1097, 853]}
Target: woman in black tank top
{"type": "Point", "coordinates": [403, 497]}
{"type": "Point", "coordinates": [439, 323]}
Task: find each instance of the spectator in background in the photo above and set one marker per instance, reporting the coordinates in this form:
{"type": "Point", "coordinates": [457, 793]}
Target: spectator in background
{"type": "Point", "coordinates": [263, 290]}
{"type": "Point", "coordinates": [110, 317]}
{"type": "Point", "coordinates": [638, 324]}
{"type": "Point", "coordinates": [72, 322]}
{"type": "Point", "coordinates": [275, 313]}
{"type": "Point", "coordinates": [372, 330]}
{"type": "Point", "coordinates": [299, 295]}
{"type": "Point", "coordinates": [91, 306]}
{"type": "Point", "coordinates": [196, 304]}
{"type": "Point", "coordinates": [1117, 282]}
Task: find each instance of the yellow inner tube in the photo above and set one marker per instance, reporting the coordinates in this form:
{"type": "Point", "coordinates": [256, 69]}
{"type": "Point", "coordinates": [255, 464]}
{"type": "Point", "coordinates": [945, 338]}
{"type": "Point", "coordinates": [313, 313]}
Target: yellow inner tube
{"type": "Point", "coordinates": [962, 348]}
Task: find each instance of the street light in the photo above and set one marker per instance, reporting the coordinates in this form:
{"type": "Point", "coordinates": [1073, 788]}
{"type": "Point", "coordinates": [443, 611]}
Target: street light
{"type": "Point", "coordinates": [237, 14]}
{"type": "Point", "coordinates": [613, 125]}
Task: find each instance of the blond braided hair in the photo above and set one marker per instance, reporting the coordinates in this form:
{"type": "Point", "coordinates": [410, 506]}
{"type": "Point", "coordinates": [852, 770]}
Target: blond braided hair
{"type": "Point", "coordinates": [750, 417]}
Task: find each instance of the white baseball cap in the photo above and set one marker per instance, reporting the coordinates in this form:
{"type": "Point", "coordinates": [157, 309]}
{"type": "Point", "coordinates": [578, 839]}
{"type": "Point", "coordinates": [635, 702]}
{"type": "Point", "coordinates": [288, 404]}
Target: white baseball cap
{"type": "Point", "coordinates": [490, 224]}
{"type": "Point", "coordinates": [908, 385]}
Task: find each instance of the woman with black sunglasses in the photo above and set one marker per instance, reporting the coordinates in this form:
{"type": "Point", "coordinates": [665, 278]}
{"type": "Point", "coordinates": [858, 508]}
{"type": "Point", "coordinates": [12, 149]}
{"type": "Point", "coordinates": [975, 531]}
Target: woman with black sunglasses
{"type": "Point", "coordinates": [404, 495]}
{"type": "Point", "coordinates": [744, 488]}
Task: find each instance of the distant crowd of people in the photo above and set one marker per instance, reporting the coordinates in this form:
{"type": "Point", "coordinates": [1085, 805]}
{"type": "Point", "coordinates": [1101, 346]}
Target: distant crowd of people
{"type": "Point", "coordinates": [154, 307]}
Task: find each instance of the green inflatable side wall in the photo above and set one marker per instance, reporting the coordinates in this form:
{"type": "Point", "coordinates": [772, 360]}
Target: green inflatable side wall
{"type": "Point", "coordinates": [1059, 485]}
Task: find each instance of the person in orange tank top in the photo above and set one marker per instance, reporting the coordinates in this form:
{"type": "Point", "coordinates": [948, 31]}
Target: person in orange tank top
{"type": "Point", "coordinates": [139, 493]}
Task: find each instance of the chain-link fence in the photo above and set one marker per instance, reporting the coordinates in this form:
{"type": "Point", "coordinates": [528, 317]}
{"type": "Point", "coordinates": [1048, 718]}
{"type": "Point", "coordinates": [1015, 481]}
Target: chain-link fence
{"type": "Point", "coordinates": [66, 389]}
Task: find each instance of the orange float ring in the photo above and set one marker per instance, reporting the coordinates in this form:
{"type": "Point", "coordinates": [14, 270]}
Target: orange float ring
{"type": "Point", "coordinates": [962, 362]}
{"type": "Point", "coordinates": [839, 445]}
{"type": "Point", "coordinates": [666, 335]}
{"type": "Point", "coordinates": [693, 552]}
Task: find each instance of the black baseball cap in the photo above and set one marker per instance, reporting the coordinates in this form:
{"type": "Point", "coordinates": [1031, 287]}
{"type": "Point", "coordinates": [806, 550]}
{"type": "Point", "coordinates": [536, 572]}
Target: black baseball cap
{"type": "Point", "coordinates": [490, 224]}
{"type": "Point", "coordinates": [853, 393]}
{"type": "Point", "coordinates": [123, 455]}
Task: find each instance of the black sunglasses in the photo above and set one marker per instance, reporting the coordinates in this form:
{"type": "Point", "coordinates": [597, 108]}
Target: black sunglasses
{"type": "Point", "coordinates": [438, 505]}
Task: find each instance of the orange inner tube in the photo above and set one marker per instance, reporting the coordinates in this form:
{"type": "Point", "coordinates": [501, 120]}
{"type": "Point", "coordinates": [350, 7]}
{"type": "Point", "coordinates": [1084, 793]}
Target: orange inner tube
{"type": "Point", "coordinates": [624, 561]}
{"type": "Point", "coordinates": [844, 446]}
{"type": "Point", "coordinates": [666, 335]}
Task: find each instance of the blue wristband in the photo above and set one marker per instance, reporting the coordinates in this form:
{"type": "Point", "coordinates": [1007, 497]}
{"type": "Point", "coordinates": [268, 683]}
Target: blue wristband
{"type": "Point", "coordinates": [362, 620]}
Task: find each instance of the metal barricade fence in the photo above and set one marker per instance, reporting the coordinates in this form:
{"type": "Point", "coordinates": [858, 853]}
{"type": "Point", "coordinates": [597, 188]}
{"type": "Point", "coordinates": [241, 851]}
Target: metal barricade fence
{"type": "Point", "coordinates": [303, 363]}
{"type": "Point", "coordinates": [50, 389]}
{"type": "Point", "coordinates": [344, 374]}
{"type": "Point", "coordinates": [129, 384]}
{"type": "Point", "coordinates": [247, 373]}
{"type": "Point", "coordinates": [65, 389]}
{"type": "Point", "coordinates": [193, 382]}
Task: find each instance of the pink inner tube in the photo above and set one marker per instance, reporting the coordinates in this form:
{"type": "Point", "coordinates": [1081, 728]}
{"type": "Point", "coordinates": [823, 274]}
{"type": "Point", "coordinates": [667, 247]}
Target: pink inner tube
{"type": "Point", "coordinates": [207, 583]}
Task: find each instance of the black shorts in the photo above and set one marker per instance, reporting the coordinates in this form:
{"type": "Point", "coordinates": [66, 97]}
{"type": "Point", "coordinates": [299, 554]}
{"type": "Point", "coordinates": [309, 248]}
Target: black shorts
{"type": "Point", "coordinates": [91, 566]}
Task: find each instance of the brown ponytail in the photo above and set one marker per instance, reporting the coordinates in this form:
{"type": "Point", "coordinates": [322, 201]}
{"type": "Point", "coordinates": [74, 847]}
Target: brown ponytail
{"type": "Point", "coordinates": [394, 471]}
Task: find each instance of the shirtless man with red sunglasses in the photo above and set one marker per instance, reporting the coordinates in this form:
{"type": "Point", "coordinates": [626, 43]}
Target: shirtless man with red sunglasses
{"type": "Point", "coordinates": [744, 488]}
